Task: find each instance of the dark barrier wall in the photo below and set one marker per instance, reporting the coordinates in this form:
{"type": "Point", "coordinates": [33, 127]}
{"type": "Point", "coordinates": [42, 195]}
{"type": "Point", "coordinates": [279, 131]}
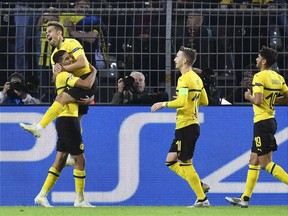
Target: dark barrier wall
{"type": "Point", "coordinates": [126, 149]}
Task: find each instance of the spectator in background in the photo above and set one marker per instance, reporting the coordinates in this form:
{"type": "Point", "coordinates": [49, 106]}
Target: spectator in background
{"type": "Point", "coordinates": [87, 29]}
{"type": "Point", "coordinates": [246, 82]}
{"type": "Point", "coordinates": [148, 43]}
{"type": "Point", "coordinates": [44, 55]}
{"type": "Point", "coordinates": [225, 39]}
{"type": "Point", "coordinates": [24, 28]}
{"type": "Point", "coordinates": [7, 42]}
{"type": "Point", "coordinates": [200, 38]}
{"type": "Point", "coordinates": [195, 27]}
{"type": "Point", "coordinates": [127, 87]}
{"type": "Point", "coordinates": [248, 74]}
{"type": "Point", "coordinates": [131, 90]}
{"type": "Point", "coordinates": [278, 33]}
{"type": "Point", "coordinates": [179, 31]}
{"type": "Point", "coordinates": [16, 91]}
{"type": "Point", "coordinates": [283, 18]}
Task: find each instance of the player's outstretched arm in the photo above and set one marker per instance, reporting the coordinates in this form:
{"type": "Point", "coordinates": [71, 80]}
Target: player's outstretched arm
{"type": "Point", "coordinates": [89, 81]}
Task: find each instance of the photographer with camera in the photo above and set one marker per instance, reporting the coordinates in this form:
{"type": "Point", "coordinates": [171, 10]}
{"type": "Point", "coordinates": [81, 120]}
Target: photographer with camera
{"type": "Point", "coordinates": [16, 91]}
{"type": "Point", "coordinates": [131, 90]}
{"type": "Point", "coordinates": [209, 81]}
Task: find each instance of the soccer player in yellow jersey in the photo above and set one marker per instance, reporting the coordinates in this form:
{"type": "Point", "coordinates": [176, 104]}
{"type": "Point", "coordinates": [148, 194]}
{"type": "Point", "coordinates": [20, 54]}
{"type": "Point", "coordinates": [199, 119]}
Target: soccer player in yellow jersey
{"type": "Point", "coordinates": [190, 94]}
{"type": "Point", "coordinates": [69, 137]}
{"type": "Point", "coordinates": [79, 68]}
{"type": "Point", "coordinates": [267, 85]}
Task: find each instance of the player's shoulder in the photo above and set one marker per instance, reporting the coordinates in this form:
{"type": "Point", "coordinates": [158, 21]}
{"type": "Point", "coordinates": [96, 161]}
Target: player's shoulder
{"type": "Point", "coordinates": [262, 74]}
{"type": "Point", "coordinates": [268, 74]}
{"type": "Point", "coordinates": [71, 45]}
{"type": "Point", "coordinates": [62, 75]}
{"type": "Point", "coordinates": [196, 78]}
{"type": "Point", "coordinates": [70, 41]}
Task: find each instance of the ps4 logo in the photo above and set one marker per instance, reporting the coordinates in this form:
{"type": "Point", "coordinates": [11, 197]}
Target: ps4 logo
{"type": "Point", "coordinates": [129, 167]}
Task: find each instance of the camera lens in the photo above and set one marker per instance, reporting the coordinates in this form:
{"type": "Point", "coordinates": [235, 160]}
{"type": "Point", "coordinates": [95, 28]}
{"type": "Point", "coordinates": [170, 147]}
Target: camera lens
{"type": "Point", "coordinates": [16, 86]}
{"type": "Point", "coordinates": [128, 82]}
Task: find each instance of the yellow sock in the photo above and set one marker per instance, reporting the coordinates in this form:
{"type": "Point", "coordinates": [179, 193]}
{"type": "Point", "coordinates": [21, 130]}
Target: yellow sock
{"type": "Point", "coordinates": [277, 171]}
{"type": "Point", "coordinates": [51, 179]}
{"type": "Point", "coordinates": [251, 180]}
{"type": "Point", "coordinates": [175, 167]}
{"type": "Point", "coordinates": [52, 113]}
{"type": "Point", "coordinates": [79, 177]}
{"type": "Point", "coordinates": [193, 179]}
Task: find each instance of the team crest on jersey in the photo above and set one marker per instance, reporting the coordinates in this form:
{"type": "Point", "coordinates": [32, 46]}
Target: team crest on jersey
{"type": "Point", "coordinates": [70, 76]}
{"type": "Point", "coordinates": [81, 146]}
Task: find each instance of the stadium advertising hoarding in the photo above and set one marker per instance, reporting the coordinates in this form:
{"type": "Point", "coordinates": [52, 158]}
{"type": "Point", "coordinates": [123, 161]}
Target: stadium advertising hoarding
{"type": "Point", "coordinates": [125, 150]}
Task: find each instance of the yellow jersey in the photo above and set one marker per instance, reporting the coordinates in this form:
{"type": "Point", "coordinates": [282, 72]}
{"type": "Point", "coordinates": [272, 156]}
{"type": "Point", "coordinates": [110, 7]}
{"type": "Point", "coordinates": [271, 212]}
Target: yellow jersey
{"type": "Point", "coordinates": [270, 84]}
{"type": "Point", "coordinates": [67, 80]}
{"type": "Point", "coordinates": [187, 104]}
{"type": "Point", "coordinates": [75, 49]}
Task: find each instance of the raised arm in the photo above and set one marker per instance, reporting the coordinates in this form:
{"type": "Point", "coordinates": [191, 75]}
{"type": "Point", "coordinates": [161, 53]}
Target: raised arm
{"type": "Point", "coordinates": [88, 82]}
{"type": "Point", "coordinates": [78, 64]}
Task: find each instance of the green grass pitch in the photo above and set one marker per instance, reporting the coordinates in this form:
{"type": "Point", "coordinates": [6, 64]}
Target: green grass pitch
{"type": "Point", "coordinates": [145, 211]}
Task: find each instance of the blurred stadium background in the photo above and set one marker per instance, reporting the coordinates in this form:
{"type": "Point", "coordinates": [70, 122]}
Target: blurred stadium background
{"type": "Point", "coordinates": [144, 36]}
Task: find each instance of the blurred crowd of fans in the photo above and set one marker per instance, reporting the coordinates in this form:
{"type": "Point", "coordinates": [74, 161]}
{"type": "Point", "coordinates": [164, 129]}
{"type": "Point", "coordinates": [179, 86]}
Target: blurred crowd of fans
{"type": "Point", "coordinates": [124, 36]}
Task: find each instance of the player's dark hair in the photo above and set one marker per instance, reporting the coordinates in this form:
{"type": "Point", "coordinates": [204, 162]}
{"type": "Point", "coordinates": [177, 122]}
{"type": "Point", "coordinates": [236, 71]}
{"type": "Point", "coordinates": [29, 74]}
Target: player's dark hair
{"type": "Point", "coordinates": [58, 26]}
{"type": "Point", "coordinates": [58, 56]}
{"type": "Point", "coordinates": [269, 54]}
{"type": "Point", "coordinates": [190, 54]}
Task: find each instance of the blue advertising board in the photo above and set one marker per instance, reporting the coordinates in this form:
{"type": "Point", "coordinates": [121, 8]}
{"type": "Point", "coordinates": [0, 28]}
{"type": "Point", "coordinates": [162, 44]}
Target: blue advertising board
{"type": "Point", "coordinates": [125, 150]}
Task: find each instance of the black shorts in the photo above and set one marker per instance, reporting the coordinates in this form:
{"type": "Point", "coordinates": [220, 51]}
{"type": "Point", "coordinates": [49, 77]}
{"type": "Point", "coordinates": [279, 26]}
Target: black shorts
{"type": "Point", "coordinates": [185, 141]}
{"type": "Point", "coordinates": [264, 140]}
{"type": "Point", "coordinates": [69, 135]}
{"type": "Point", "coordinates": [83, 109]}
{"type": "Point", "coordinates": [78, 93]}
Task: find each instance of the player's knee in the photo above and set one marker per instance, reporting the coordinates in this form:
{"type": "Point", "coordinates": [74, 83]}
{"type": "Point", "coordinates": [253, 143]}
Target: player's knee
{"type": "Point", "coordinates": [263, 166]}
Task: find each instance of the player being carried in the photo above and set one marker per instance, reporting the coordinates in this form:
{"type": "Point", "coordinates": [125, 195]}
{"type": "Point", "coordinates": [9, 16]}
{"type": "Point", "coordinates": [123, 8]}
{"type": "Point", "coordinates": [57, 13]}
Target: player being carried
{"type": "Point", "coordinates": [79, 68]}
